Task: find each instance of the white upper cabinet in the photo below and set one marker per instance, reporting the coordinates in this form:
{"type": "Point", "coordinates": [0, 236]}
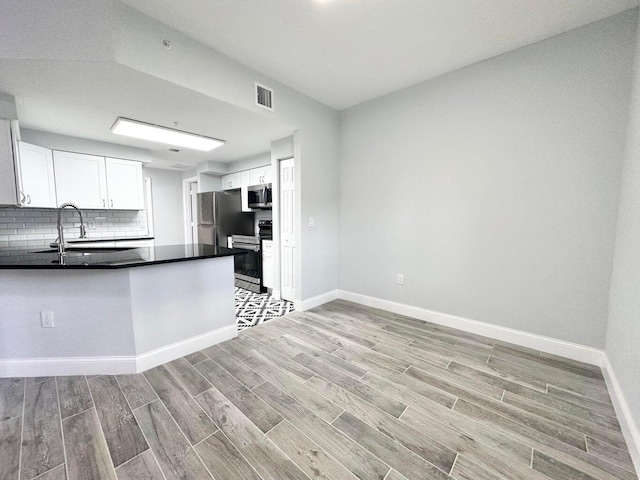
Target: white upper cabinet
{"type": "Point", "coordinates": [9, 175]}
{"type": "Point", "coordinates": [124, 184]}
{"type": "Point", "coordinates": [231, 181]}
{"type": "Point", "coordinates": [38, 181]}
{"type": "Point", "coordinates": [261, 175]}
{"type": "Point", "coordinates": [80, 179]}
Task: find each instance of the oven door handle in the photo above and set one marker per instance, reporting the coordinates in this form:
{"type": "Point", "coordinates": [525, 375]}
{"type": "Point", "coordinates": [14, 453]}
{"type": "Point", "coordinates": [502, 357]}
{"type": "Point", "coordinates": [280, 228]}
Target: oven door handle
{"type": "Point", "coordinates": [253, 248]}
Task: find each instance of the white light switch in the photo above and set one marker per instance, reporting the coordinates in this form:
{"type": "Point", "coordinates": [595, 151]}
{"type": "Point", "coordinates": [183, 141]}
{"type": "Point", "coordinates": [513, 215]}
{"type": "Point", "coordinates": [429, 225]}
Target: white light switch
{"type": "Point", "coordinates": [400, 280]}
{"type": "Point", "coordinates": [47, 319]}
{"type": "Point", "coordinates": [312, 222]}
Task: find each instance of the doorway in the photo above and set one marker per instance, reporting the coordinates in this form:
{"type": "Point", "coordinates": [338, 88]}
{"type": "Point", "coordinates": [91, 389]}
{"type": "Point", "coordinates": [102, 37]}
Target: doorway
{"type": "Point", "coordinates": [287, 229]}
{"type": "Point", "coordinates": [190, 192]}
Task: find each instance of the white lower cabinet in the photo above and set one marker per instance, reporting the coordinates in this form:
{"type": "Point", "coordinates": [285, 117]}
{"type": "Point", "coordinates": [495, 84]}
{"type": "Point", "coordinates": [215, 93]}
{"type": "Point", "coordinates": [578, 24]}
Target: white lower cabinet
{"type": "Point", "coordinates": [38, 181]}
{"type": "Point", "coordinates": [267, 263]}
{"type": "Point", "coordinates": [80, 179]}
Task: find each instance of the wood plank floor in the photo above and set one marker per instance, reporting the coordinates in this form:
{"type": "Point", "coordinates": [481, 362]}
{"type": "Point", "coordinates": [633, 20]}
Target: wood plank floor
{"type": "Point", "coordinates": [339, 392]}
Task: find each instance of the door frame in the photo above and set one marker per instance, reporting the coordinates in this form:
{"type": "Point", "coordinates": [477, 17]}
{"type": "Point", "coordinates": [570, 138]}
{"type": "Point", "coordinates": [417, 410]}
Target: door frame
{"type": "Point", "coordinates": [186, 207]}
{"type": "Point", "coordinates": [278, 245]}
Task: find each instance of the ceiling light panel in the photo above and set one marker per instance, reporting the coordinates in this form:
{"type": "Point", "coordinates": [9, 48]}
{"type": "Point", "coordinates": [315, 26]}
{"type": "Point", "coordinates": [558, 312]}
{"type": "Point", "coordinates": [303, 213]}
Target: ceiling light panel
{"type": "Point", "coordinates": [169, 136]}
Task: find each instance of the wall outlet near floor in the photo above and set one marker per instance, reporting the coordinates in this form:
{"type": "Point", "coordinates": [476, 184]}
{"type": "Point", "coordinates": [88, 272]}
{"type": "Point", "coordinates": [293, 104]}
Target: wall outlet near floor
{"type": "Point", "coordinates": [312, 222]}
{"type": "Point", "coordinates": [400, 279]}
{"type": "Point", "coordinates": [47, 319]}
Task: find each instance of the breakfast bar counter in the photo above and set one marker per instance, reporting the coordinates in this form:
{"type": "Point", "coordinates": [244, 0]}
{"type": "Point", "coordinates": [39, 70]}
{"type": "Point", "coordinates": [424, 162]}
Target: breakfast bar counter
{"type": "Point", "coordinates": [82, 256]}
{"type": "Point", "coordinates": [109, 311]}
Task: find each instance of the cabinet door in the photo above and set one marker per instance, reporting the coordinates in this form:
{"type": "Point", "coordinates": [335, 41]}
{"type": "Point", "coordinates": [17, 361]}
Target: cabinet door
{"type": "Point", "coordinates": [9, 175]}
{"type": "Point", "coordinates": [267, 174]}
{"type": "Point", "coordinates": [231, 181]}
{"type": "Point", "coordinates": [125, 184]}
{"type": "Point", "coordinates": [256, 175]}
{"type": "Point", "coordinates": [38, 182]}
{"type": "Point", "coordinates": [80, 179]}
{"type": "Point", "coordinates": [267, 263]}
{"type": "Point", "coordinates": [261, 175]}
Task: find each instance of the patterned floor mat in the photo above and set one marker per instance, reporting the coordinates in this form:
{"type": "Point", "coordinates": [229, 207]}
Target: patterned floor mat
{"type": "Point", "coordinates": [255, 308]}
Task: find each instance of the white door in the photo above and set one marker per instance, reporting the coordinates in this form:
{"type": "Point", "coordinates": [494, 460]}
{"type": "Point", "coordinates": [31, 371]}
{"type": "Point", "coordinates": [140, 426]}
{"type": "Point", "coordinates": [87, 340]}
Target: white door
{"type": "Point", "coordinates": [124, 184]}
{"type": "Point", "coordinates": [38, 182]}
{"type": "Point", "coordinates": [80, 179]}
{"type": "Point", "coordinates": [192, 212]}
{"type": "Point", "coordinates": [287, 229]}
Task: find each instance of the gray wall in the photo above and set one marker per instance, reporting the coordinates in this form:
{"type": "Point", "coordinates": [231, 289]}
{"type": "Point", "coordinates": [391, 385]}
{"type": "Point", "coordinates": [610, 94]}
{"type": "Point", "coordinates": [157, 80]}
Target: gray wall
{"type": "Point", "coordinates": [494, 189]}
{"type": "Point", "coordinates": [623, 334]}
{"type": "Point", "coordinates": [132, 41]}
{"type": "Point", "coordinates": [168, 212]}
{"type": "Point", "coordinates": [204, 70]}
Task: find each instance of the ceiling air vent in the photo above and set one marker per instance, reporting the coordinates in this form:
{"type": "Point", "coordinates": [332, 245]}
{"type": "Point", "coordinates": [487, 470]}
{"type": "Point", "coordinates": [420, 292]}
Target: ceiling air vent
{"type": "Point", "coordinates": [180, 166]}
{"type": "Point", "coordinates": [264, 97]}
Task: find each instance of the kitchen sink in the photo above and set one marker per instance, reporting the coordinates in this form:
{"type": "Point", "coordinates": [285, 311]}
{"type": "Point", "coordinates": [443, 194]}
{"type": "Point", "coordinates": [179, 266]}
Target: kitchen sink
{"type": "Point", "coordinates": [88, 250]}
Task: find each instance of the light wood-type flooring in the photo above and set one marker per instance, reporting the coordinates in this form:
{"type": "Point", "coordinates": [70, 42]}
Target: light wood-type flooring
{"type": "Point", "coordinates": [339, 392]}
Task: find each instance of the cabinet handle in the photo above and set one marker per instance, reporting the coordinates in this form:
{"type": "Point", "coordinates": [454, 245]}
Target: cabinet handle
{"type": "Point", "coordinates": [23, 199]}
{"type": "Point", "coordinates": [112, 203]}
{"type": "Point", "coordinates": [28, 199]}
{"type": "Point", "coordinates": [104, 203]}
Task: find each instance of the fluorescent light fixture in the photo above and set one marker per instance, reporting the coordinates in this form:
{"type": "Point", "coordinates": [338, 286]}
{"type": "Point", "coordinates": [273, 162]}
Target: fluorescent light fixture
{"type": "Point", "coordinates": [170, 136]}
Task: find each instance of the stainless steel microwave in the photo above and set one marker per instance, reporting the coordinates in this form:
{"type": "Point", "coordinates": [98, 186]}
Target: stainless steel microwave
{"type": "Point", "coordinates": [259, 196]}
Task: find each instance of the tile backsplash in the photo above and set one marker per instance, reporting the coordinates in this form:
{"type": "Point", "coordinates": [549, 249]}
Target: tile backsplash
{"type": "Point", "coordinates": [21, 227]}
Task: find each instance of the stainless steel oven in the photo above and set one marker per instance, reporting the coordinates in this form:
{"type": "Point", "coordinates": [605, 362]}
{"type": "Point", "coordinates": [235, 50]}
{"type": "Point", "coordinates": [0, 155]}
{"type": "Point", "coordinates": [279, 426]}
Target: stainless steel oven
{"type": "Point", "coordinates": [259, 196]}
{"type": "Point", "coordinates": [248, 268]}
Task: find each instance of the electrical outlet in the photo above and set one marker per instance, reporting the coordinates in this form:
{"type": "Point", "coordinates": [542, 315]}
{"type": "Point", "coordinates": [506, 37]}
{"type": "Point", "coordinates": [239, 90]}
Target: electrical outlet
{"type": "Point", "coordinates": [312, 222]}
{"type": "Point", "coordinates": [400, 280]}
{"type": "Point", "coordinates": [47, 319]}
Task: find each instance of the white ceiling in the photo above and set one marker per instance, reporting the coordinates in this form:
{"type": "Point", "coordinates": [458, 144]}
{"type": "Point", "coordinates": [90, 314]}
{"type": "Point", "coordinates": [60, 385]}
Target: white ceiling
{"type": "Point", "coordinates": [344, 52]}
{"type": "Point", "coordinates": [83, 99]}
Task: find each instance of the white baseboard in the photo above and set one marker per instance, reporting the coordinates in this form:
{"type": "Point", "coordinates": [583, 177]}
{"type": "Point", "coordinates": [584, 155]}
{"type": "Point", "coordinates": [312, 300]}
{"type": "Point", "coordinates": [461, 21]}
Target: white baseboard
{"type": "Point", "coordinates": [54, 366]}
{"type": "Point", "coordinates": [116, 365]}
{"type": "Point", "coordinates": [316, 301]}
{"type": "Point", "coordinates": [629, 426]}
{"type": "Point", "coordinates": [165, 354]}
{"type": "Point", "coordinates": [554, 346]}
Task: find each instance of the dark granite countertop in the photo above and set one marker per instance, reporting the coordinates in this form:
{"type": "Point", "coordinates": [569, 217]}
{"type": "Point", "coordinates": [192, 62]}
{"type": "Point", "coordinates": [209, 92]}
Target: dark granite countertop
{"type": "Point", "coordinates": [109, 258]}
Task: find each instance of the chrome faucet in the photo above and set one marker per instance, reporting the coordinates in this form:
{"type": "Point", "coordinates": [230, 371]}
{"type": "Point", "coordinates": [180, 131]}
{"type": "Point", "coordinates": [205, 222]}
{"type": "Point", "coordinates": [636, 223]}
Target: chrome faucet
{"type": "Point", "coordinates": [59, 243]}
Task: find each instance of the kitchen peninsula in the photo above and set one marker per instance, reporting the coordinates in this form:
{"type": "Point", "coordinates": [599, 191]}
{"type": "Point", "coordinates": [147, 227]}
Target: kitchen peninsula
{"type": "Point", "coordinates": [112, 310]}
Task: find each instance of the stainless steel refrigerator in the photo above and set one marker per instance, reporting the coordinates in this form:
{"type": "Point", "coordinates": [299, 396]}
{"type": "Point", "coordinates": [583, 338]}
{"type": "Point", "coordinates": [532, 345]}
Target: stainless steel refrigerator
{"type": "Point", "coordinates": [220, 215]}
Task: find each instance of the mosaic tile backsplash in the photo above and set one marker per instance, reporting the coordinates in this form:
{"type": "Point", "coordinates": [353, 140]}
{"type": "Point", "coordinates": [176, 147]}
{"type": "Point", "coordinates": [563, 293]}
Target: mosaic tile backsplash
{"type": "Point", "coordinates": [21, 227]}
